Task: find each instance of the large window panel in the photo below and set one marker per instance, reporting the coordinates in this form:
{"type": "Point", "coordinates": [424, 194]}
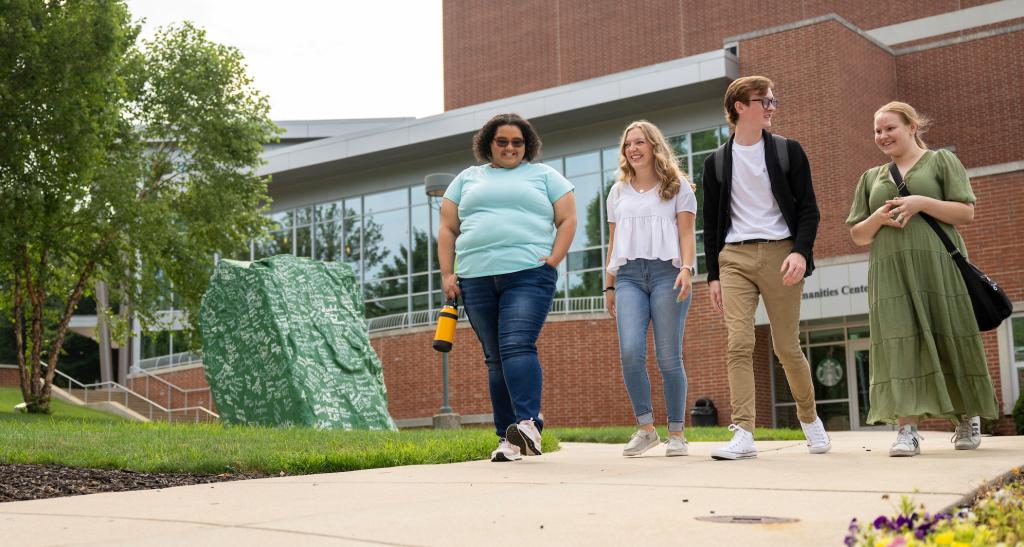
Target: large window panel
{"type": "Point", "coordinates": [385, 243]}
{"type": "Point", "coordinates": [281, 220]}
{"type": "Point", "coordinates": [588, 211]}
{"type": "Point", "coordinates": [304, 241]}
{"type": "Point", "coordinates": [610, 159]}
{"type": "Point", "coordinates": [582, 164]}
{"type": "Point", "coordinates": [327, 212]}
{"type": "Point", "coordinates": [421, 244]}
{"type": "Point", "coordinates": [394, 286]}
{"type": "Point", "coordinates": [384, 201]}
{"type": "Point", "coordinates": [701, 141]}
{"type": "Point", "coordinates": [353, 231]}
{"type": "Point", "coordinates": [556, 164]}
{"type": "Point", "coordinates": [585, 283]}
{"type": "Point", "coordinates": [388, 306]}
{"type": "Point", "coordinates": [276, 243]}
{"type": "Point", "coordinates": [303, 216]}
{"type": "Point", "coordinates": [329, 241]}
{"type": "Point", "coordinates": [584, 260]}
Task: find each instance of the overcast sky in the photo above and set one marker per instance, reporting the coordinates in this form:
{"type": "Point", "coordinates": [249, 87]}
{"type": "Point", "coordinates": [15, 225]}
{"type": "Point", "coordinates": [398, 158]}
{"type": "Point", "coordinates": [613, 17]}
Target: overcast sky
{"type": "Point", "coordinates": [325, 59]}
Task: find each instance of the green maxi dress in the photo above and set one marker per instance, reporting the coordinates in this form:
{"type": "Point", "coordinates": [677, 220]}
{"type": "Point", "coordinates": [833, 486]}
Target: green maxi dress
{"type": "Point", "coordinates": [927, 358]}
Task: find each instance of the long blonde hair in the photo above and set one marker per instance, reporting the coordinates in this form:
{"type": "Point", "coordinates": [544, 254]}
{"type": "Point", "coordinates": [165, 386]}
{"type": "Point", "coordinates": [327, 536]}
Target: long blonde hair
{"type": "Point", "coordinates": [909, 117]}
{"type": "Point", "coordinates": [666, 166]}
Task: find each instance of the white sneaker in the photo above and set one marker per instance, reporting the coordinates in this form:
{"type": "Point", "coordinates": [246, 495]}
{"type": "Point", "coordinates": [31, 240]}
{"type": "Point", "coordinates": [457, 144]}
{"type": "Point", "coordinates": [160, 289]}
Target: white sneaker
{"type": "Point", "coordinates": [677, 446]}
{"type": "Point", "coordinates": [817, 440]}
{"type": "Point", "coordinates": [506, 452]}
{"type": "Point", "coordinates": [908, 443]}
{"type": "Point", "coordinates": [968, 434]}
{"type": "Point", "coordinates": [641, 442]}
{"type": "Point", "coordinates": [526, 436]}
{"type": "Point", "coordinates": [740, 447]}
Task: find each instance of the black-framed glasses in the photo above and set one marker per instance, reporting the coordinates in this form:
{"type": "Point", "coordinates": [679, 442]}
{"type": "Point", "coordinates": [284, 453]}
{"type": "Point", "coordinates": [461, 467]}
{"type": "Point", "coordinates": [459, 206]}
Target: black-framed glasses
{"type": "Point", "coordinates": [502, 142]}
{"type": "Point", "coordinates": [766, 102]}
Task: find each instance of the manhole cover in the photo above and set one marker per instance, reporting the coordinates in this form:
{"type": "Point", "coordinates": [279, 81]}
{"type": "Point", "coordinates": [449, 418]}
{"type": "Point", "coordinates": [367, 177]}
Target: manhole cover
{"type": "Point", "coordinates": [747, 519]}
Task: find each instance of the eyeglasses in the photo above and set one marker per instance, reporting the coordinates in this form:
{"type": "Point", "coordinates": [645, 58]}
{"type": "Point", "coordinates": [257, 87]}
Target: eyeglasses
{"type": "Point", "coordinates": [502, 142]}
{"type": "Point", "coordinates": [766, 102]}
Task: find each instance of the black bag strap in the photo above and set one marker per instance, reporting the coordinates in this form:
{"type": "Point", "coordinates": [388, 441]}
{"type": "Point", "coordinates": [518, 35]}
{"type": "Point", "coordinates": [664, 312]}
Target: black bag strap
{"type": "Point", "coordinates": [904, 191]}
{"type": "Point", "coordinates": [781, 153]}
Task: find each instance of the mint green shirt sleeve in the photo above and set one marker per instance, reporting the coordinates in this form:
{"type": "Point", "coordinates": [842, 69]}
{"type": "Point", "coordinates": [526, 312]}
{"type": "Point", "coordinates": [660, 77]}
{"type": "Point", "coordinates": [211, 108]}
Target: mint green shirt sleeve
{"type": "Point", "coordinates": [454, 191]}
{"type": "Point", "coordinates": [557, 185]}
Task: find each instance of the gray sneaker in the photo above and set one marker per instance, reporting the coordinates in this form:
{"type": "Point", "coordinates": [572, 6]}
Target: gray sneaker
{"type": "Point", "coordinates": [677, 446]}
{"type": "Point", "coordinates": [968, 434]}
{"type": "Point", "coordinates": [641, 442]}
{"type": "Point", "coordinates": [908, 443]}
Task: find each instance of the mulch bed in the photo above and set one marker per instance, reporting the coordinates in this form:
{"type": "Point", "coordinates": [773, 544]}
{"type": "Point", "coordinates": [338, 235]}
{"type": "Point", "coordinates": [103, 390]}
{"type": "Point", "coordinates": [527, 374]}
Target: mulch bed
{"type": "Point", "coordinates": [20, 482]}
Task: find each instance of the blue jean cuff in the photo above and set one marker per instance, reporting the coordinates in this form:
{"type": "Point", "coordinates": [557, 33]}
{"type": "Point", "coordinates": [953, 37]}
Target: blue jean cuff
{"type": "Point", "coordinates": [645, 419]}
{"type": "Point", "coordinates": [675, 427]}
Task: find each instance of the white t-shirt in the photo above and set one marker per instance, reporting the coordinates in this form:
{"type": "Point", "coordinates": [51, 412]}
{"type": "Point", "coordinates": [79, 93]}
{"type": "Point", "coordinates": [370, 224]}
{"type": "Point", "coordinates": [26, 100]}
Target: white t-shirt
{"type": "Point", "coordinates": [645, 225]}
{"type": "Point", "coordinates": [755, 213]}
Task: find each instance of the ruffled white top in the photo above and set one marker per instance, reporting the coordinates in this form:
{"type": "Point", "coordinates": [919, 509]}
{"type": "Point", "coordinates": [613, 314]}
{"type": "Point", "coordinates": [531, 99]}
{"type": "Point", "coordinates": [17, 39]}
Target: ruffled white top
{"type": "Point", "coordinates": [645, 225]}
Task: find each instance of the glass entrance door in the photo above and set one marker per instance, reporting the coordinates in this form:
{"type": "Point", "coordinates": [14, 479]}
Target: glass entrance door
{"type": "Point", "coordinates": [859, 372]}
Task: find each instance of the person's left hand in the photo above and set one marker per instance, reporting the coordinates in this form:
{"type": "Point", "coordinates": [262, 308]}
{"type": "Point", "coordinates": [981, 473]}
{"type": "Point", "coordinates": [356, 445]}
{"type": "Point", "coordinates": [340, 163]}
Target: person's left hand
{"type": "Point", "coordinates": [683, 283]}
{"type": "Point", "coordinates": [793, 269]}
{"type": "Point", "coordinates": [905, 207]}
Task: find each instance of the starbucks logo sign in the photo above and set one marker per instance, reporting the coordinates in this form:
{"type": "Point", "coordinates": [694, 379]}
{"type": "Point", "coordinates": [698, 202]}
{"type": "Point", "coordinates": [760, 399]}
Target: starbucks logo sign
{"type": "Point", "coordinates": [829, 372]}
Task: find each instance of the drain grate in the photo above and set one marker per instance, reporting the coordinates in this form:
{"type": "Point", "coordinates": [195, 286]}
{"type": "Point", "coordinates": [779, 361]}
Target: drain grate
{"type": "Point", "coordinates": [748, 519]}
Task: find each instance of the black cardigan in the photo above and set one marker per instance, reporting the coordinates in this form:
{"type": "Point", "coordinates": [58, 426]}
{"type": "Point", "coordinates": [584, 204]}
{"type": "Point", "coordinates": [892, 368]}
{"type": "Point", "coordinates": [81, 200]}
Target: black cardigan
{"type": "Point", "coordinates": [794, 194]}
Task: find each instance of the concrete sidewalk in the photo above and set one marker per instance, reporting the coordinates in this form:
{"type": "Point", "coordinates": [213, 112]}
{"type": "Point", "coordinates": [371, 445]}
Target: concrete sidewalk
{"type": "Point", "coordinates": [583, 494]}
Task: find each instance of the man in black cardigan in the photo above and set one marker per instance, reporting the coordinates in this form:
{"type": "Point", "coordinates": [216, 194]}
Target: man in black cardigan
{"type": "Point", "coordinates": [760, 221]}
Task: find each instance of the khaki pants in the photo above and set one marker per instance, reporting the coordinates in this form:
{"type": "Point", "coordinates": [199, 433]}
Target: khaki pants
{"type": "Point", "coordinates": [746, 272]}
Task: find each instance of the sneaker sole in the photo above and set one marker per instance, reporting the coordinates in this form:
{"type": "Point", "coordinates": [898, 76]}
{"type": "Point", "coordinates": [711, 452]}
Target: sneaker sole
{"type": "Point", "coordinates": [675, 453]}
{"type": "Point", "coordinates": [819, 449]}
{"type": "Point", "coordinates": [734, 456]}
{"type": "Point", "coordinates": [525, 444]}
{"type": "Point", "coordinates": [972, 447]}
{"type": "Point", "coordinates": [903, 453]}
{"type": "Point", "coordinates": [641, 452]}
{"type": "Point", "coordinates": [501, 458]}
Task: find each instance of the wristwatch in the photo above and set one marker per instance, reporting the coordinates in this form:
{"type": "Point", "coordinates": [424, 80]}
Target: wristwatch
{"type": "Point", "coordinates": [693, 270]}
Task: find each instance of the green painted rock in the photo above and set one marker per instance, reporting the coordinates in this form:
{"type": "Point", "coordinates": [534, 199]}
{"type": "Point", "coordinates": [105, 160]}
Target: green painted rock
{"type": "Point", "coordinates": [285, 343]}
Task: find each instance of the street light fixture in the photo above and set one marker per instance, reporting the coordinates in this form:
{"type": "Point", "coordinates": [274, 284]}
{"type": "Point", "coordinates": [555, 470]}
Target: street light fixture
{"type": "Point", "coordinates": [435, 185]}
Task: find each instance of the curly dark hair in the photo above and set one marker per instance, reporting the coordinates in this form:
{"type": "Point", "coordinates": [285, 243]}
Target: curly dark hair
{"type": "Point", "coordinates": [482, 139]}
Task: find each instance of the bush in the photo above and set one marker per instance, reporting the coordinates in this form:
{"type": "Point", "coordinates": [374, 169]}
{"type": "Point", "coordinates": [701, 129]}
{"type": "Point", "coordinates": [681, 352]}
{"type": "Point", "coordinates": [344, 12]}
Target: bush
{"type": "Point", "coordinates": [1018, 414]}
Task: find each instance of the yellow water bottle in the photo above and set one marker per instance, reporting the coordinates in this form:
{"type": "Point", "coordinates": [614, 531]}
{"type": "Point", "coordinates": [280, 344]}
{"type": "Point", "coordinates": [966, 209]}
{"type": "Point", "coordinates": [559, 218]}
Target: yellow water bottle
{"type": "Point", "coordinates": [446, 320]}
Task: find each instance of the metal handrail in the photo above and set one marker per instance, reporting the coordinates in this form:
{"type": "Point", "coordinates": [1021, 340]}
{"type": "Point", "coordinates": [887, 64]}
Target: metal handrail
{"type": "Point", "coordinates": [110, 386]}
{"type": "Point", "coordinates": [185, 392]}
{"type": "Point", "coordinates": [562, 306]}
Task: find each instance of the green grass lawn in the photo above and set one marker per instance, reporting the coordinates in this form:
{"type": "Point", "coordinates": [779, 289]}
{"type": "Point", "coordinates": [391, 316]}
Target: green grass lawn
{"type": "Point", "coordinates": [79, 437]}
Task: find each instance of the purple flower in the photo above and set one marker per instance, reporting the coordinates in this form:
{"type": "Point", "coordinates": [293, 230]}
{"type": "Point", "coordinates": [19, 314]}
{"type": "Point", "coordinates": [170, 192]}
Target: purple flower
{"type": "Point", "coordinates": [882, 522]}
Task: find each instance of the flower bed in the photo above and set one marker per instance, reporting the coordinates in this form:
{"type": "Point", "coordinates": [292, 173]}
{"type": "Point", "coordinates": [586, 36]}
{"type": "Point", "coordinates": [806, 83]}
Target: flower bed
{"type": "Point", "coordinates": [996, 517]}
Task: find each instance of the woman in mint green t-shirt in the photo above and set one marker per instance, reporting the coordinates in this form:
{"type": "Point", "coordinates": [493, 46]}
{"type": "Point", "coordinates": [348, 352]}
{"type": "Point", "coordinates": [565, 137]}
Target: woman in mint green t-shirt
{"type": "Point", "coordinates": [510, 223]}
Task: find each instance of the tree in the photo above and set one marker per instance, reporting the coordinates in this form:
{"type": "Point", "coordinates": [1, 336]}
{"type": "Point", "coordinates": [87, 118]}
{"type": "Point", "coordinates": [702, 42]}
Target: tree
{"type": "Point", "coordinates": [123, 162]}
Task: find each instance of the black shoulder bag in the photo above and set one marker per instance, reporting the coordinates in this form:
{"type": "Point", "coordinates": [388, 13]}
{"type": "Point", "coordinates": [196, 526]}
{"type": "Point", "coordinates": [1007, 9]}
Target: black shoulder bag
{"type": "Point", "coordinates": [990, 303]}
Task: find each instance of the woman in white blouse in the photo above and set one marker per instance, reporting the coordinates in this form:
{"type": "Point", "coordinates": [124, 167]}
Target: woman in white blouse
{"type": "Point", "coordinates": [651, 257]}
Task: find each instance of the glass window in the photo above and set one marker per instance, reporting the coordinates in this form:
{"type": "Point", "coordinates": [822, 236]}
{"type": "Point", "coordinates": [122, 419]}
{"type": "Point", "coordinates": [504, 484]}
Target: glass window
{"type": "Point", "coordinates": [583, 260]}
{"type": "Point", "coordinates": [156, 344]}
{"type": "Point", "coordinates": [304, 241]}
{"type": "Point", "coordinates": [1018, 340]}
{"type": "Point", "coordinates": [585, 283]}
{"type": "Point", "coordinates": [856, 333]}
{"type": "Point", "coordinates": [353, 230]}
{"type": "Point", "coordinates": [828, 372]}
{"type": "Point", "coordinates": [328, 241]}
{"type": "Point", "coordinates": [326, 212]}
{"type": "Point", "coordinates": [275, 243]}
{"type": "Point", "coordinates": [388, 287]}
{"type": "Point", "coordinates": [353, 206]}
{"type": "Point", "coordinates": [704, 140]}
{"type": "Point", "coordinates": [421, 244]}
{"type": "Point", "coordinates": [582, 164]}
{"type": "Point", "coordinates": [420, 283]}
{"type": "Point", "coordinates": [282, 220]}
{"type": "Point", "coordinates": [610, 159]}
{"type": "Point", "coordinates": [588, 202]}
{"type": "Point", "coordinates": [385, 242]}
{"type": "Point", "coordinates": [304, 216]}
{"type": "Point", "coordinates": [383, 201]}
{"type": "Point", "coordinates": [830, 335]}
{"type": "Point", "coordinates": [389, 306]}
{"type": "Point", "coordinates": [418, 194]}
{"type": "Point", "coordinates": [680, 144]}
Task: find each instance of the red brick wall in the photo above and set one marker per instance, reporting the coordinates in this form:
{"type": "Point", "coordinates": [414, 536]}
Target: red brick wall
{"type": "Point", "coordinates": [970, 90]}
{"type": "Point", "coordinates": [9, 377]}
{"type": "Point", "coordinates": [557, 42]}
{"type": "Point", "coordinates": [192, 377]}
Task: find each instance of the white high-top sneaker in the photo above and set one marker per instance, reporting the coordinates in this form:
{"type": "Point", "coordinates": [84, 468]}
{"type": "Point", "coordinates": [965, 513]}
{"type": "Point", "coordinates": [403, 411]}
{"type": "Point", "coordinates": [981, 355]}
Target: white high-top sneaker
{"type": "Point", "coordinates": [740, 447]}
{"type": "Point", "coordinates": [817, 440]}
{"type": "Point", "coordinates": [506, 452]}
{"type": "Point", "coordinates": [908, 442]}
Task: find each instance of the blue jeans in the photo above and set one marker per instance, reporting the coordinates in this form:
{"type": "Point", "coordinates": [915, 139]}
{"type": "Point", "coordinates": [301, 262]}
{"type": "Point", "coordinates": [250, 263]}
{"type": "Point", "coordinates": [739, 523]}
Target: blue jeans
{"type": "Point", "coordinates": [507, 312]}
{"type": "Point", "coordinates": [643, 292]}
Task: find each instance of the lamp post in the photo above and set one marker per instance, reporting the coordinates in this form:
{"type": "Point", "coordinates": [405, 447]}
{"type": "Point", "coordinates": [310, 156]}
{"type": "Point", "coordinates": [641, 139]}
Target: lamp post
{"type": "Point", "coordinates": [435, 185]}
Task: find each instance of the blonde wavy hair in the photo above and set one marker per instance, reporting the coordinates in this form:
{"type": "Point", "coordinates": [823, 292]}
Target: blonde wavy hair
{"type": "Point", "coordinates": [911, 117]}
{"type": "Point", "coordinates": [666, 166]}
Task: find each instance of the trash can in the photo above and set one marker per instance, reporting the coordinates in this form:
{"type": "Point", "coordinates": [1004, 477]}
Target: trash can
{"type": "Point", "coordinates": [703, 413]}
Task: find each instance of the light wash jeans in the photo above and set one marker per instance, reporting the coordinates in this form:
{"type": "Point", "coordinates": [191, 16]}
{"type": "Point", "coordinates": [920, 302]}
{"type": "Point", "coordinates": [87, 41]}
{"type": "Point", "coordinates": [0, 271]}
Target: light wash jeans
{"type": "Point", "coordinates": [643, 292]}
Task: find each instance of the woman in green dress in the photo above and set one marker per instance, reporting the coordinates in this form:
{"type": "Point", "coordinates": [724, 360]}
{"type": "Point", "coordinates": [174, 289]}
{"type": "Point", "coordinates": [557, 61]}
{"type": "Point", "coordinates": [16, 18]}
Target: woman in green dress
{"type": "Point", "coordinates": [927, 359]}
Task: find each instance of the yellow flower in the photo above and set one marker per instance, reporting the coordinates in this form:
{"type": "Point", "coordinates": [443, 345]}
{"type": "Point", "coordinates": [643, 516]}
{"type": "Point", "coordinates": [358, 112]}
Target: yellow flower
{"type": "Point", "coordinates": [882, 543]}
{"type": "Point", "coordinates": [961, 544]}
{"type": "Point", "coordinates": [944, 538]}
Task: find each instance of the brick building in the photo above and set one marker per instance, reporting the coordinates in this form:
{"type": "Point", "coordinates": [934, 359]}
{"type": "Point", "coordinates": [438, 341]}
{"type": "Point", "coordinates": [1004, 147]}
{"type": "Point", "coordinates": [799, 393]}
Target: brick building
{"type": "Point", "coordinates": [581, 70]}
